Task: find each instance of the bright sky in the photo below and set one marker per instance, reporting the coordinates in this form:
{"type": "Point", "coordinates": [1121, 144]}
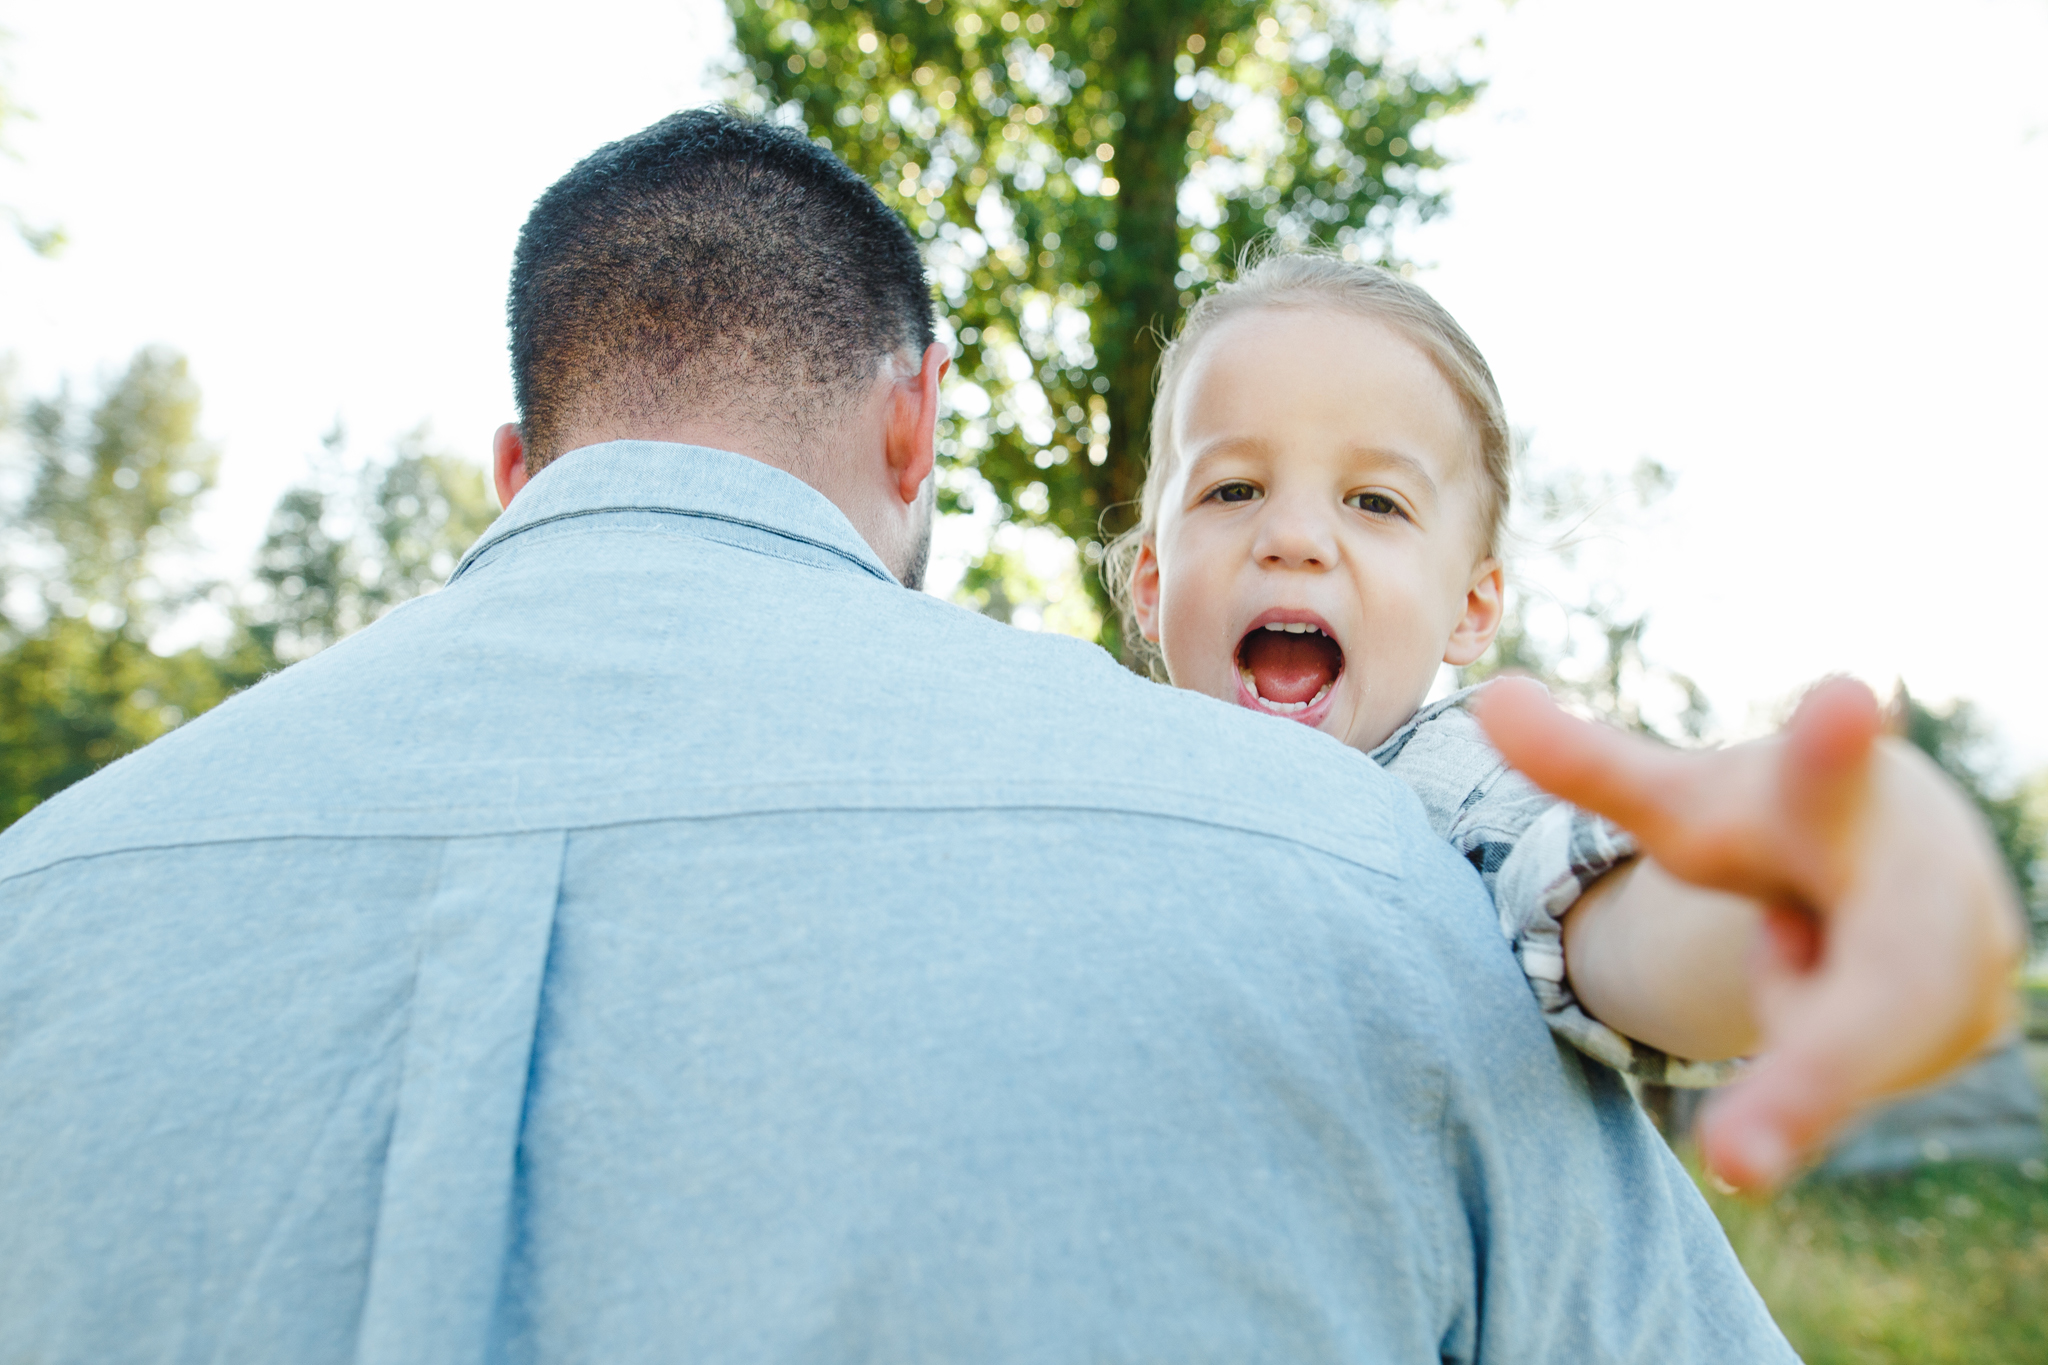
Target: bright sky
{"type": "Point", "coordinates": [1793, 250]}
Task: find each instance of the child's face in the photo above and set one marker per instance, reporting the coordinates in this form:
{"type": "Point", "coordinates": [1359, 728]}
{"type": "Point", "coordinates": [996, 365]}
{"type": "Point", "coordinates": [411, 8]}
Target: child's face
{"type": "Point", "coordinates": [1327, 481]}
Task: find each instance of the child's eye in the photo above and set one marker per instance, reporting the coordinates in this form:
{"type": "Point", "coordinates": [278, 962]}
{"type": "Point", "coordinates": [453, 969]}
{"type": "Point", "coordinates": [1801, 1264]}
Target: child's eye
{"type": "Point", "coordinates": [1379, 504]}
{"type": "Point", "coordinates": [1234, 490]}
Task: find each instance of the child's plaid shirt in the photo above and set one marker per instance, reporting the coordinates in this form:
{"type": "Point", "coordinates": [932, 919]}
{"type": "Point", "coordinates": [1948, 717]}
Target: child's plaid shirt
{"type": "Point", "coordinates": [1537, 855]}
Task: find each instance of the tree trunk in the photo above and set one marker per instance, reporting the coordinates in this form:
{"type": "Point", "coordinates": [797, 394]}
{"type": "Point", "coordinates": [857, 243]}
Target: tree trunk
{"type": "Point", "coordinates": [1139, 301]}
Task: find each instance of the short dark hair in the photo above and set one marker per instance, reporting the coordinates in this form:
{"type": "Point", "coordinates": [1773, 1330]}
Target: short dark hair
{"type": "Point", "coordinates": [707, 249]}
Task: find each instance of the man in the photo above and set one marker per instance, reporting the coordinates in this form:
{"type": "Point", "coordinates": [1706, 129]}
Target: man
{"type": "Point", "coordinates": [674, 940]}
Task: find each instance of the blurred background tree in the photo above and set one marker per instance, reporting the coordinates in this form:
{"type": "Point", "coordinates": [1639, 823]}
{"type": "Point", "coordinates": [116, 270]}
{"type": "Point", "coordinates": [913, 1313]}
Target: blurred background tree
{"type": "Point", "coordinates": [1078, 171]}
{"type": "Point", "coordinates": [342, 549]}
{"type": "Point", "coordinates": [103, 501]}
{"type": "Point", "coordinates": [1570, 623]}
{"type": "Point", "coordinates": [97, 507]}
{"type": "Point", "coordinates": [1576, 631]}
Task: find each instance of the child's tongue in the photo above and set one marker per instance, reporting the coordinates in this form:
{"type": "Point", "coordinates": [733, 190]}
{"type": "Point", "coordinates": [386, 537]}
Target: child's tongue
{"type": "Point", "coordinates": [1290, 668]}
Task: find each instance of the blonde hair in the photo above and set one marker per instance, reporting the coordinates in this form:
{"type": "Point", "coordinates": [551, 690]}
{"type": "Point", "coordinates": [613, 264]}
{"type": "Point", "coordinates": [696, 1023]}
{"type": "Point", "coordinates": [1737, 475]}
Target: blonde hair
{"type": "Point", "coordinates": [1319, 279]}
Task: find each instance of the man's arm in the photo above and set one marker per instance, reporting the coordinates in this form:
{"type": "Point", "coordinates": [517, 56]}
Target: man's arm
{"type": "Point", "coordinates": [1888, 934]}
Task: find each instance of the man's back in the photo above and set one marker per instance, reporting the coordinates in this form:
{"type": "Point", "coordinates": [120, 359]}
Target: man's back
{"type": "Point", "coordinates": [674, 939]}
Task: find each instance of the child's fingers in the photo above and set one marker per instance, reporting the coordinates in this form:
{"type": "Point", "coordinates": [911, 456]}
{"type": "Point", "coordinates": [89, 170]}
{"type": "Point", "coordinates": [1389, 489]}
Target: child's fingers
{"type": "Point", "coordinates": [1824, 780]}
{"type": "Point", "coordinates": [1847, 1045]}
{"type": "Point", "coordinates": [1768, 819]}
{"type": "Point", "coordinates": [1833, 727]}
{"type": "Point", "coordinates": [1788, 948]}
{"type": "Point", "coordinates": [1754, 1134]}
{"type": "Point", "coordinates": [1798, 1093]}
{"type": "Point", "coordinates": [1890, 999]}
{"type": "Point", "coordinates": [1624, 777]}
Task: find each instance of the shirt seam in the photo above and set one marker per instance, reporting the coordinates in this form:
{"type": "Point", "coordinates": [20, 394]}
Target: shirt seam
{"type": "Point", "coordinates": [567, 830]}
{"type": "Point", "coordinates": [705, 536]}
{"type": "Point", "coordinates": [482, 548]}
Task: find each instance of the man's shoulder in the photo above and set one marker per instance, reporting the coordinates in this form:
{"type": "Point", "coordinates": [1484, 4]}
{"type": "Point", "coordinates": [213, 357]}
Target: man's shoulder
{"type": "Point", "coordinates": [482, 709]}
{"type": "Point", "coordinates": [1063, 712]}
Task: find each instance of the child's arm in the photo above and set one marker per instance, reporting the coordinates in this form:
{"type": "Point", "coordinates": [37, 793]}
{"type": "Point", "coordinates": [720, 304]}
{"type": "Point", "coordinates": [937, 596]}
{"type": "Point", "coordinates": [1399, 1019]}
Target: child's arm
{"type": "Point", "coordinates": [1886, 956]}
{"type": "Point", "coordinates": [1665, 962]}
{"type": "Point", "coordinates": [1545, 864]}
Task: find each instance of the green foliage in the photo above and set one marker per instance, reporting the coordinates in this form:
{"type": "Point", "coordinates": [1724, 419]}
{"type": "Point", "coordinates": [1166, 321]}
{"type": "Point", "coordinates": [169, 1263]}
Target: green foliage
{"type": "Point", "coordinates": [109, 494]}
{"type": "Point", "coordinates": [101, 506]}
{"type": "Point", "coordinates": [1946, 1264]}
{"type": "Point", "coordinates": [74, 698]}
{"type": "Point", "coordinates": [1077, 171]}
{"type": "Point", "coordinates": [113, 490]}
{"type": "Point", "coordinates": [340, 552]}
{"type": "Point", "coordinates": [1002, 584]}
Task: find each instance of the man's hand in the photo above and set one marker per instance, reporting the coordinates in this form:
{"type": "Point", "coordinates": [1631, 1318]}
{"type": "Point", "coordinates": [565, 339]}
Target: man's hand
{"type": "Point", "coordinates": [1892, 932]}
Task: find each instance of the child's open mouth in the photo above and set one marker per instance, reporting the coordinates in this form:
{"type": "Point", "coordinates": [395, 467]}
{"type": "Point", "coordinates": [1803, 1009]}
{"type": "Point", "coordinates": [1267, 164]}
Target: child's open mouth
{"type": "Point", "coordinates": [1287, 666]}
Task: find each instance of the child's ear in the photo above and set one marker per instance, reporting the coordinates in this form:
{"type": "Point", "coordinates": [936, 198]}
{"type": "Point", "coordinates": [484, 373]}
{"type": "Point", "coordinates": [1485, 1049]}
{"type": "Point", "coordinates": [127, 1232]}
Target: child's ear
{"type": "Point", "coordinates": [1145, 590]}
{"type": "Point", "coordinates": [1485, 602]}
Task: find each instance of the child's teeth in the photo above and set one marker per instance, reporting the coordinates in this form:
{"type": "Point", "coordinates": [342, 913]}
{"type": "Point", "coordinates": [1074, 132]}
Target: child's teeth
{"type": "Point", "coordinates": [1283, 708]}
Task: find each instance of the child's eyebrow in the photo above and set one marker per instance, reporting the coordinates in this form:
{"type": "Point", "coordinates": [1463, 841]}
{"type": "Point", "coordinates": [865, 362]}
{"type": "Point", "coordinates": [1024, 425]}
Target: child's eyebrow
{"type": "Point", "coordinates": [1407, 464]}
{"type": "Point", "coordinates": [1218, 450]}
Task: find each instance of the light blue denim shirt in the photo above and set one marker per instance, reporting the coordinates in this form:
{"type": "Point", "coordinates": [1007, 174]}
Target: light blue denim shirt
{"type": "Point", "coordinates": [675, 941]}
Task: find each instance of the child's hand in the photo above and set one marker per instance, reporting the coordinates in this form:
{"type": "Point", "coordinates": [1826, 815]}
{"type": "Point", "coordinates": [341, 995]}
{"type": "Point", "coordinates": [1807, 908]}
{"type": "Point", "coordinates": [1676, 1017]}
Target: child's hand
{"type": "Point", "coordinates": [1892, 933]}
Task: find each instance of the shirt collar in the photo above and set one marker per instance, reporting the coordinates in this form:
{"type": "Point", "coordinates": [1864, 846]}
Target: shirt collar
{"type": "Point", "coordinates": [662, 476]}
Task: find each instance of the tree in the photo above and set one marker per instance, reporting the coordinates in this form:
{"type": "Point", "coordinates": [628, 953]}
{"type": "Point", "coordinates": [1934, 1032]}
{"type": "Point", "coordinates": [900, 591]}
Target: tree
{"type": "Point", "coordinates": [110, 494]}
{"type": "Point", "coordinates": [341, 551]}
{"type": "Point", "coordinates": [1078, 171]}
{"type": "Point", "coordinates": [89, 581]}
{"type": "Point", "coordinates": [109, 497]}
{"type": "Point", "coordinates": [1587, 648]}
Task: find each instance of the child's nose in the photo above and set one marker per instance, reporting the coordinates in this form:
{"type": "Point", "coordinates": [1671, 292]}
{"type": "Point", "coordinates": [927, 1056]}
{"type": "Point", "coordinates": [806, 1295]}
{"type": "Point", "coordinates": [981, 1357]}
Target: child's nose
{"type": "Point", "coordinates": [1292, 537]}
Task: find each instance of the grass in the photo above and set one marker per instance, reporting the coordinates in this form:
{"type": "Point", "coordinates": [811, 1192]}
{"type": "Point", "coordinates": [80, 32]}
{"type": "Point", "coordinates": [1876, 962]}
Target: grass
{"type": "Point", "coordinates": [1947, 1263]}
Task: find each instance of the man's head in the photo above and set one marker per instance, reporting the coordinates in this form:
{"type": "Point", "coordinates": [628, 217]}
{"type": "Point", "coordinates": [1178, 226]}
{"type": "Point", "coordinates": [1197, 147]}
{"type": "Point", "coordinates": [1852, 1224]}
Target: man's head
{"type": "Point", "coordinates": [720, 281]}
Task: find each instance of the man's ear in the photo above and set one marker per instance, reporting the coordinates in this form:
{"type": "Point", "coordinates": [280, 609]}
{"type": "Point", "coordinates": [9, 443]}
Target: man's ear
{"type": "Point", "coordinates": [1145, 590]}
{"type": "Point", "coordinates": [508, 462]}
{"type": "Point", "coordinates": [1485, 602]}
{"type": "Point", "coordinates": [911, 442]}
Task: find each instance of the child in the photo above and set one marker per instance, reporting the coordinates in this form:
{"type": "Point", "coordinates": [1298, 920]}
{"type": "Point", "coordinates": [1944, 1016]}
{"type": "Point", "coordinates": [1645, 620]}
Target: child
{"type": "Point", "coordinates": [1319, 530]}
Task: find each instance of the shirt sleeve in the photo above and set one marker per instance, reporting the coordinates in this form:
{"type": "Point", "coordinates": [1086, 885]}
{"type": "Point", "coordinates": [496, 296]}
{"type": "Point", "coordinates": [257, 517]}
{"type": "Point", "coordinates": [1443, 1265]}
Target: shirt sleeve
{"type": "Point", "coordinates": [1537, 855]}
